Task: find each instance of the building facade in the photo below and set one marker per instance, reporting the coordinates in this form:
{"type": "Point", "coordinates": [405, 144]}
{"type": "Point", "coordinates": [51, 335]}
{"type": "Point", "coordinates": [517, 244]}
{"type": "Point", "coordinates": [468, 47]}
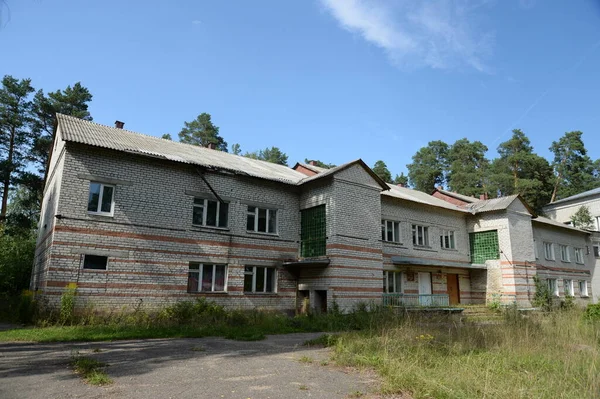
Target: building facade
{"type": "Point", "coordinates": [140, 221]}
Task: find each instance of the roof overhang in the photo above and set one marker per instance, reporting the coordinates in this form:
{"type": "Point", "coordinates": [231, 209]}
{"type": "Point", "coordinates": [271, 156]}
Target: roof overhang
{"type": "Point", "coordinates": [413, 261]}
{"type": "Point", "coordinates": [318, 263]}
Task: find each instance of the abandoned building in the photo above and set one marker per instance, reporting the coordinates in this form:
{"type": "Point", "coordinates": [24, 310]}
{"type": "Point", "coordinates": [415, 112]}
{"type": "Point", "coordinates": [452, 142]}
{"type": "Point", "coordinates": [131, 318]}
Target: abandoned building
{"type": "Point", "coordinates": [137, 220]}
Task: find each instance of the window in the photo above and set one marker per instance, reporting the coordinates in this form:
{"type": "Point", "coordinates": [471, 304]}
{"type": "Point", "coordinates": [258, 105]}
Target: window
{"type": "Point", "coordinates": [259, 279]}
{"type": "Point", "coordinates": [210, 213]}
{"type": "Point", "coordinates": [597, 251]}
{"type": "Point", "coordinates": [552, 286]}
{"type": "Point", "coordinates": [390, 231]}
{"type": "Point", "coordinates": [101, 199]}
{"type": "Point", "coordinates": [313, 233]}
{"type": "Point", "coordinates": [535, 250]}
{"type": "Point", "coordinates": [392, 282]}
{"type": "Point", "coordinates": [95, 262]}
{"type": "Point", "coordinates": [579, 255]}
{"type": "Point", "coordinates": [262, 220]}
{"type": "Point", "coordinates": [484, 246]}
{"type": "Point", "coordinates": [447, 239]}
{"type": "Point", "coordinates": [420, 235]}
{"type": "Point", "coordinates": [583, 288]}
{"type": "Point", "coordinates": [565, 254]}
{"type": "Point", "coordinates": [568, 287]}
{"type": "Point", "coordinates": [549, 250]}
{"type": "Point", "coordinates": [207, 277]}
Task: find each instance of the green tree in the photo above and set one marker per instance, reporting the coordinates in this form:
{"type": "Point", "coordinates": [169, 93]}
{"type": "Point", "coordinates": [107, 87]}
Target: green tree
{"type": "Point", "coordinates": [574, 171]}
{"type": "Point", "coordinates": [381, 170]}
{"type": "Point", "coordinates": [583, 218]}
{"type": "Point", "coordinates": [16, 258]}
{"type": "Point", "coordinates": [15, 133]}
{"type": "Point", "coordinates": [269, 154]}
{"type": "Point", "coordinates": [166, 136]}
{"type": "Point", "coordinates": [518, 170]}
{"type": "Point", "coordinates": [319, 163]}
{"type": "Point", "coordinates": [429, 167]}
{"type": "Point", "coordinates": [236, 149]}
{"type": "Point", "coordinates": [202, 132]}
{"type": "Point", "coordinates": [401, 179]}
{"type": "Point", "coordinates": [468, 167]}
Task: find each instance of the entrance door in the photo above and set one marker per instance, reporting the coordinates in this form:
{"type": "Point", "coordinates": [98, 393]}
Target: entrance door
{"type": "Point", "coordinates": [453, 289]}
{"type": "Point", "coordinates": [424, 289]}
{"type": "Point", "coordinates": [320, 305]}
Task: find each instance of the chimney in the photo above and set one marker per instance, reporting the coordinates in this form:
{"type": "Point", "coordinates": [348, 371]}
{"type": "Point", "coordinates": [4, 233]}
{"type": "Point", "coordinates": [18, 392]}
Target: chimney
{"type": "Point", "coordinates": [211, 146]}
{"type": "Point", "coordinates": [313, 163]}
{"type": "Point", "coordinates": [484, 196]}
{"type": "Point", "coordinates": [400, 185]}
{"type": "Point", "coordinates": [119, 124]}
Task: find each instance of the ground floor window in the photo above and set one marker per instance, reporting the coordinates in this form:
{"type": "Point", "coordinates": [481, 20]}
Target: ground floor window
{"type": "Point", "coordinates": [259, 279]}
{"type": "Point", "coordinates": [204, 277]}
{"type": "Point", "coordinates": [568, 287]}
{"type": "Point", "coordinates": [392, 282]}
{"type": "Point", "coordinates": [552, 286]}
{"type": "Point", "coordinates": [95, 262]}
{"type": "Point", "coordinates": [583, 290]}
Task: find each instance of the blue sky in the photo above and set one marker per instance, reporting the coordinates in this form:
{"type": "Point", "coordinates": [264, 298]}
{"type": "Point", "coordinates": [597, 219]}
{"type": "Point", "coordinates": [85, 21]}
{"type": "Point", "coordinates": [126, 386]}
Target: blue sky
{"type": "Point", "coordinates": [333, 80]}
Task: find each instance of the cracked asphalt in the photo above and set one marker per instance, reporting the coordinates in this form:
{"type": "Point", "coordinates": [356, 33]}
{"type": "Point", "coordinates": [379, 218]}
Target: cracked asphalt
{"type": "Point", "coordinates": [278, 367]}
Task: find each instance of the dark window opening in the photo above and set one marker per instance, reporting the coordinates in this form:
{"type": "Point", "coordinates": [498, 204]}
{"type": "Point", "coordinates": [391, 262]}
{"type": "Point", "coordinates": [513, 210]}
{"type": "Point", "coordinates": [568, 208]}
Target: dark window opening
{"type": "Point", "coordinates": [95, 262]}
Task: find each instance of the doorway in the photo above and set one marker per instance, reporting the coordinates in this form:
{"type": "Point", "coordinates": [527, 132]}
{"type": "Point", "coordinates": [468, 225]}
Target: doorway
{"type": "Point", "coordinates": [453, 289]}
{"type": "Point", "coordinates": [425, 289]}
{"type": "Point", "coordinates": [320, 305]}
{"type": "Point", "coordinates": [302, 302]}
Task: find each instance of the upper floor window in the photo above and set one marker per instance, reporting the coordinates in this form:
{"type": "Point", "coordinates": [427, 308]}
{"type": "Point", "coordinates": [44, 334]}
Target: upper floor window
{"type": "Point", "coordinates": [261, 220]}
{"type": "Point", "coordinates": [597, 251]}
{"type": "Point", "coordinates": [95, 262]}
{"type": "Point", "coordinates": [101, 199]}
{"type": "Point", "coordinates": [549, 251]}
{"type": "Point", "coordinates": [207, 277]}
{"type": "Point", "coordinates": [420, 235]}
{"type": "Point", "coordinates": [259, 279]}
{"type": "Point", "coordinates": [313, 232]}
{"type": "Point", "coordinates": [390, 231]}
{"type": "Point", "coordinates": [565, 254]}
{"type": "Point", "coordinates": [210, 213]}
{"type": "Point", "coordinates": [484, 246]}
{"type": "Point", "coordinates": [579, 255]}
{"type": "Point", "coordinates": [447, 239]}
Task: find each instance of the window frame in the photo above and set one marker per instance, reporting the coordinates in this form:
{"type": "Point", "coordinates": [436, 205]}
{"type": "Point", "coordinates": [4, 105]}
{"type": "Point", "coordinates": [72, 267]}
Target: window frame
{"type": "Point", "coordinates": [551, 255]}
{"type": "Point", "coordinates": [568, 287]}
{"type": "Point", "coordinates": [553, 286]}
{"type": "Point", "coordinates": [396, 228]}
{"type": "Point", "coordinates": [397, 279]}
{"type": "Point", "coordinates": [98, 210]}
{"type": "Point", "coordinates": [565, 254]}
{"type": "Point", "coordinates": [424, 232]}
{"type": "Point", "coordinates": [579, 255]}
{"type": "Point", "coordinates": [583, 293]}
{"type": "Point", "coordinates": [254, 274]}
{"type": "Point", "coordinates": [256, 218]}
{"type": "Point", "coordinates": [205, 213]}
{"type": "Point", "coordinates": [94, 268]}
{"type": "Point", "coordinates": [200, 276]}
{"type": "Point", "coordinates": [451, 235]}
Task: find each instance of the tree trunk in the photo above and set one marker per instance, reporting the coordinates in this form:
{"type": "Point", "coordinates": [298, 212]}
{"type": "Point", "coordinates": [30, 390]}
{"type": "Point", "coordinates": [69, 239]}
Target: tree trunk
{"type": "Point", "coordinates": [558, 179]}
{"type": "Point", "coordinates": [6, 182]}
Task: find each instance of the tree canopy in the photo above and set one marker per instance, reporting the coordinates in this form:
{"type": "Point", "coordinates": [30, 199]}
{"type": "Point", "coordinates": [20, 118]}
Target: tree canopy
{"type": "Point", "coordinates": [381, 170]}
{"type": "Point", "coordinates": [269, 154]}
{"type": "Point", "coordinates": [429, 167]}
{"type": "Point", "coordinates": [320, 164]}
{"type": "Point", "coordinates": [202, 132]}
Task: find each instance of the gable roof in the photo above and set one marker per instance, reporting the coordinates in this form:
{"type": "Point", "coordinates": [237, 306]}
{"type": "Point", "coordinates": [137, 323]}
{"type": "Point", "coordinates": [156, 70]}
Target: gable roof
{"type": "Point", "coordinates": [360, 162]}
{"type": "Point", "coordinates": [316, 169]}
{"type": "Point", "coordinates": [496, 204]}
{"type": "Point", "coordinates": [79, 131]}
{"type": "Point", "coordinates": [588, 193]}
{"type": "Point", "coordinates": [458, 196]}
{"type": "Point", "coordinates": [409, 194]}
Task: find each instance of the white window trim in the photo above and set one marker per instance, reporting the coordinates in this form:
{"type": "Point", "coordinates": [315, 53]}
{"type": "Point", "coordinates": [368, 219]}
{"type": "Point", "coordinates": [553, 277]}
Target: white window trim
{"type": "Point", "coordinates": [552, 255]}
{"type": "Point", "coordinates": [425, 235]}
{"type": "Point", "coordinates": [568, 287]}
{"type": "Point", "coordinates": [579, 256]}
{"type": "Point", "coordinates": [553, 290]}
{"type": "Point", "coordinates": [86, 268]}
{"type": "Point", "coordinates": [384, 225]}
{"type": "Point", "coordinates": [265, 280]}
{"type": "Point", "coordinates": [205, 213]}
{"type": "Point", "coordinates": [112, 202]}
{"type": "Point", "coordinates": [449, 233]}
{"type": "Point", "coordinates": [583, 293]}
{"type": "Point", "coordinates": [200, 272]}
{"type": "Point", "coordinates": [255, 213]}
{"type": "Point", "coordinates": [397, 290]}
{"type": "Point", "coordinates": [565, 254]}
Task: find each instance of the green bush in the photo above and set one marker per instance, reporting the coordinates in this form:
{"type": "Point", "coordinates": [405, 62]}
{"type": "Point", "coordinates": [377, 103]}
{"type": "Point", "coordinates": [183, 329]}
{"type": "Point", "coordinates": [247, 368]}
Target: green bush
{"type": "Point", "coordinates": [592, 312]}
{"type": "Point", "coordinates": [67, 304]}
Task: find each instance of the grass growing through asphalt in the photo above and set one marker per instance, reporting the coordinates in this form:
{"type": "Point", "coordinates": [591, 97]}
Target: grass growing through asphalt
{"type": "Point", "coordinates": [91, 370]}
{"type": "Point", "coordinates": [545, 356]}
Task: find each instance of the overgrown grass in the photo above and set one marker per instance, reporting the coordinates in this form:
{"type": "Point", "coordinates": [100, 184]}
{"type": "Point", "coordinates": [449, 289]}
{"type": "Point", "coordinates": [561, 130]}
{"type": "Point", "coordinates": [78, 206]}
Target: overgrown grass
{"type": "Point", "coordinates": [91, 370]}
{"type": "Point", "coordinates": [544, 356]}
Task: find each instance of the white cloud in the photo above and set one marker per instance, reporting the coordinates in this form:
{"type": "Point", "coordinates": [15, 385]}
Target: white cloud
{"type": "Point", "coordinates": [439, 34]}
{"type": "Point", "coordinates": [196, 22]}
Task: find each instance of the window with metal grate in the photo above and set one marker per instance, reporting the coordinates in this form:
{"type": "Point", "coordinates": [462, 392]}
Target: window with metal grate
{"type": "Point", "coordinates": [313, 234]}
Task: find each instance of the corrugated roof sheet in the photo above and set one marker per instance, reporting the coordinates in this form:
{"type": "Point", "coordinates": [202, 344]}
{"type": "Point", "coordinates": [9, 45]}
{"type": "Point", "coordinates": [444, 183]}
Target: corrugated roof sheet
{"type": "Point", "coordinates": [541, 219]}
{"type": "Point", "coordinates": [465, 198]}
{"type": "Point", "coordinates": [91, 133]}
{"type": "Point", "coordinates": [419, 197]}
{"type": "Point", "coordinates": [575, 197]}
{"type": "Point", "coordinates": [494, 204]}
{"type": "Point", "coordinates": [316, 169]}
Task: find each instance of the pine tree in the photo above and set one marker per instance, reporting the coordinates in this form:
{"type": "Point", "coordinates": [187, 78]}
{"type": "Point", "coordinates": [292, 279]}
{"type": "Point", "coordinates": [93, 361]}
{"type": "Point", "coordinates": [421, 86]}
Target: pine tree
{"type": "Point", "coordinates": [381, 170]}
{"type": "Point", "coordinates": [429, 167]}
{"type": "Point", "coordinates": [202, 132]}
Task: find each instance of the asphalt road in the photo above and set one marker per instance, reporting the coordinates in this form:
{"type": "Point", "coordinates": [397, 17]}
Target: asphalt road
{"type": "Point", "coordinates": [180, 368]}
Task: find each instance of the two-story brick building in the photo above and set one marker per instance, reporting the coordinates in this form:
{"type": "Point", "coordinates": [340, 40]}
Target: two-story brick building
{"type": "Point", "coordinates": [134, 219]}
